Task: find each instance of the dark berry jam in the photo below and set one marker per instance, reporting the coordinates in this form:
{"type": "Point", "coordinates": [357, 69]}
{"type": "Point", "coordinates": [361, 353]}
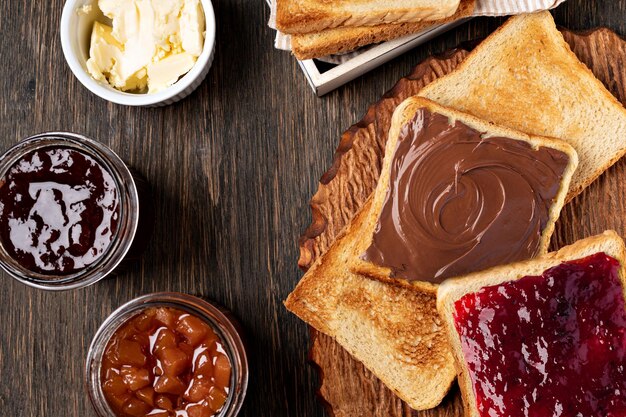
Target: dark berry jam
{"type": "Point", "coordinates": [59, 211]}
{"type": "Point", "coordinates": [549, 345]}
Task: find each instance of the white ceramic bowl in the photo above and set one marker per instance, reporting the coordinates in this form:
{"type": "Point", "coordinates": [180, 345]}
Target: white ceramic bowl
{"type": "Point", "coordinates": [75, 38]}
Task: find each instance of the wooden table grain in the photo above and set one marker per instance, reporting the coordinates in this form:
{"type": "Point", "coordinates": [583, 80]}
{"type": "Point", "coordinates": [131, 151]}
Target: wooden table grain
{"type": "Point", "coordinates": [232, 168]}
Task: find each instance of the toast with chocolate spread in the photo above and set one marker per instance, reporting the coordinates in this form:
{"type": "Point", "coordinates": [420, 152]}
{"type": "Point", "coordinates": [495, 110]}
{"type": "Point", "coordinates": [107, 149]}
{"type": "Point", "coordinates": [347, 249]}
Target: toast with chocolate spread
{"type": "Point", "coordinates": [526, 77]}
{"type": "Point", "coordinates": [345, 39]}
{"type": "Point", "coordinates": [392, 326]}
{"type": "Point", "coordinates": [545, 336]}
{"type": "Point", "coordinates": [305, 16]}
{"type": "Point", "coordinates": [457, 194]}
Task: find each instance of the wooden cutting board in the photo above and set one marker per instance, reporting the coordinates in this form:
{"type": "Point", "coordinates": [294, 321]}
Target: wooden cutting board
{"type": "Point", "coordinates": [347, 388]}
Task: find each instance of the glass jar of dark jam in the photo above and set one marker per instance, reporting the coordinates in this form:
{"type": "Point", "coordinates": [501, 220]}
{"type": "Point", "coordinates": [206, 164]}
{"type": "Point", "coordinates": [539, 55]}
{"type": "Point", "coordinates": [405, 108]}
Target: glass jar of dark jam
{"type": "Point", "coordinates": [167, 354]}
{"type": "Point", "coordinates": [69, 211]}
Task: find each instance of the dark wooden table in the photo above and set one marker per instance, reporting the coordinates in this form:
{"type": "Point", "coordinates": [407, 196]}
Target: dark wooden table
{"type": "Point", "coordinates": [232, 168]}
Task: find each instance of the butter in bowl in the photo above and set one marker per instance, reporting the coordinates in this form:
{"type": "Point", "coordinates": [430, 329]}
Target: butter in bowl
{"type": "Point", "coordinates": [139, 52]}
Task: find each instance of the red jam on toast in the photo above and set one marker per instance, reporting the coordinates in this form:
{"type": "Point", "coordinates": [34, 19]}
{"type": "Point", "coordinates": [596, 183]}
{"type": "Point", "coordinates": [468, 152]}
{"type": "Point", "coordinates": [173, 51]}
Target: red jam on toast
{"type": "Point", "coordinates": [549, 345]}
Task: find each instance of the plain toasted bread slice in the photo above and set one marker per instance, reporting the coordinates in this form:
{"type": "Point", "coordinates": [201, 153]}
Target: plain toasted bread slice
{"type": "Point", "coordinates": [402, 115]}
{"type": "Point", "coordinates": [305, 16]}
{"type": "Point", "coordinates": [452, 290]}
{"type": "Point", "coordinates": [525, 76]}
{"type": "Point", "coordinates": [392, 328]}
{"type": "Point", "coordinates": [344, 39]}
{"type": "Point", "coordinates": [394, 331]}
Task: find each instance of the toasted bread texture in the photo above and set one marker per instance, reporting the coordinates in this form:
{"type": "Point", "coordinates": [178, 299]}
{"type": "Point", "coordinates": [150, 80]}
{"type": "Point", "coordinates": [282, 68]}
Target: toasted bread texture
{"type": "Point", "coordinates": [392, 328]}
{"type": "Point", "coordinates": [452, 290]}
{"type": "Point", "coordinates": [525, 76]}
{"type": "Point", "coordinates": [403, 114]}
{"type": "Point", "coordinates": [394, 331]}
{"type": "Point", "coordinates": [345, 39]}
{"type": "Point", "coordinates": [306, 16]}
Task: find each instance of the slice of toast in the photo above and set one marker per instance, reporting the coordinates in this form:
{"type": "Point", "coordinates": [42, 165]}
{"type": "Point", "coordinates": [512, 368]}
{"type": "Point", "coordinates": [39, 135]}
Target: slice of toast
{"type": "Point", "coordinates": [306, 16]}
{"type": "Point", "coordinates": [393, 329]}
{"type": "Point", "coordinates": [525, 76]}
{"type": "Point", "coordinates": [455, 289]}
{"type": "Point", "coordinates": [345, 39]}
{"type": "Point", "coordinates": [446, 241]}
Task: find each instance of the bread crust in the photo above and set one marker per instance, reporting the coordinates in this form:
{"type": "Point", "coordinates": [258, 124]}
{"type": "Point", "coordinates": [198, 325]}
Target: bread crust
{"type": "Point", "coordinates": [306, 16]}
{"type": "Point", "coordinates": [452, 290]}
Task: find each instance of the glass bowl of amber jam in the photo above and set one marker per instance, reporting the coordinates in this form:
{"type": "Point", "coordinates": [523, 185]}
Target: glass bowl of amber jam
{"type": "Point", "coordinates": [69, 211]}
{"type": "Point", "coordinates": [167, 355]}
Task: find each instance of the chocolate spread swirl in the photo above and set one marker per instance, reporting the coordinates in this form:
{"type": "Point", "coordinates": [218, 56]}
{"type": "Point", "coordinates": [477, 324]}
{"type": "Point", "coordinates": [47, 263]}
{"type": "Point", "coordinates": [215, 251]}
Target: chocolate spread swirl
{"type": "Point", "coordinates": [459, 201]}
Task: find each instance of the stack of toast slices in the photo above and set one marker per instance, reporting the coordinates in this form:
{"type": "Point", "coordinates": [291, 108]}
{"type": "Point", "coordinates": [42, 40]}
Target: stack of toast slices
{"type": "Point", "coordinates": [320, 28]}
{"type": "Point", "coordinates": [378, 287]}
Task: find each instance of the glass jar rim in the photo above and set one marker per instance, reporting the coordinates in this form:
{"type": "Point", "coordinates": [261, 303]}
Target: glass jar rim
{"type": "Point", "coordinates": [222, 322]}
{"type": "Point", "coordinates": [128, 214]}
